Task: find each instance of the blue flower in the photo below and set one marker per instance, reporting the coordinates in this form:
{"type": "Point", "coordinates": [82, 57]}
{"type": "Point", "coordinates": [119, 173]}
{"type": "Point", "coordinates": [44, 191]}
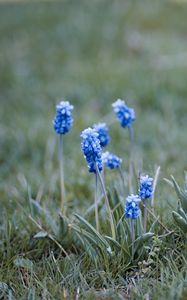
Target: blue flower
{"type": "Point", "coordinates": [103, 135]}
{"type": "Point", "coordinates": [91, 148]}
{"type": "Point", "coordinates": [146, 187]}
{"type": "Point", "coordinates": [132, 210]}
{"type": "Point", "coordinates": [111, 160]}
{"type": "Point", "coordinates": [63, 120]}
{"type": "Point", "coordinates": [125, 114]}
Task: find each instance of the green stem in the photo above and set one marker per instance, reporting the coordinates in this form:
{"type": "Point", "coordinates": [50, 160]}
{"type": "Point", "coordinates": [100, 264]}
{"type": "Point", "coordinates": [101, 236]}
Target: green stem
{"type": "Point", "coordinates": [145, 215]}
{"type": "Point", "coordinates": [107, 203]}
{"type": "Point", "coordinates": [62, 186]}
{"type": "Point", "coordinates": [122, 177]}
{"type": "Point", "coordinates": [103, 174]}
{"type": "Point", "coordinates": [133, 237]}
{"type": "Point", "coordinates": [96, 203]}
{"type": "Point", "coordinates": [131, 149]}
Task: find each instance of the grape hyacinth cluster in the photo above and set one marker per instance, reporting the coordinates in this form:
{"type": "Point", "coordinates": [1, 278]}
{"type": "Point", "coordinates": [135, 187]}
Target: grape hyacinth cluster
{"type": "Point", "coordinates": [111, 160]}
{"type": "Point", "coordinates": [125, 114]}
{"type": "Point", "coordinates": [146, 187]}
{"type": "Point", "coordinates": [63, 120]}
{"type": "Point", "coordinates": [103, 134]}
{"type": "Point", "coordinates": [132, 210]}
{"type": "Point", "coordinates": [92, 150]}
{"type": "Point", "coordinates": [93, 140]}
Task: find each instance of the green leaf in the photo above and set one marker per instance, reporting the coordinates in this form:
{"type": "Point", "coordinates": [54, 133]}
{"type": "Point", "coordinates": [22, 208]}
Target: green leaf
{"type": "Point", "coordinates": [23, 263]}
{"type": "Point", "coordinates": [127, 229]}
{"type": "Point", "coordinates": [180, 221]}
{"type": "Point", "coordinates": [90, 212]}
{"type": "Point", "coordinates": [139, 225]}
{"type": "Point", "coordinates": [122, 233]}
{"type": "Point", "coordinates": [181, 212]}
{"type": "Point", "coordinates": [118, 245]}
{"type": "Point", "coordinates": [85, 234]}
{"type": "Point", "coordinates": [90, 250]}
{"type": "Point", "coordinates": [92, 230]}
{"type": "Point", "coordinates": [66, 234]}
{"type": "Point", "coordinates": [142, 239]}
{"type": "Point", "coordinates": [154, 224]}
{"type": "Point", "coordinates": [63, 227]}
{"type": "Point", "coordinates": [41, 234]}
{"type": "Point", "coordinates": [3, 287]}
{"type": "Point", "coordinates": [43, 213]}
{"type": "Point", "coordinates": [182, 195]}
{"type": "Point", "coordinates": [88, 242]}
{"type": "Point", "coordinates": [31, 294]}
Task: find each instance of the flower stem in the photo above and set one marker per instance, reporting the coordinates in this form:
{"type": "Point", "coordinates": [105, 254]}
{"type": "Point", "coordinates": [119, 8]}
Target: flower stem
{"type": "Point", "coordinates": [122, 177]}
{"type": "Point", "coordinates": [103, 174]}
{"type": "Point", "coordinates": [133, 236]}
{"type": "Point", "coordinates": [131, 149]}
{"type": "Point", "coordinates": [96, 203]}
{"type": "Point", "coordinates": [61, 174]}
{"type": "Point", "coordinates": [145, 215]}
{"type": "Point", "coordinates": [107, 203]}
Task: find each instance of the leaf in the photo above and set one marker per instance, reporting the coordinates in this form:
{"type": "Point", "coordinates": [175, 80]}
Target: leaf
{"type": "Point", "coordinates": [63, 227]}
{"type": "Point", "coordinates": [86, 241]}
{"type": "Point", "coordinates": [122, 233]}
{"type": "Point", "coordinates": [91, 229]}
{"type": "Point", "coordinates": [41, 234]}
{"type": "Point", "coordinates": [142, 239]}
{"type": "Point", "coordinates": [180, 221]}
{"type": "Point", "coordinates": [90, 212]}
{"type": "Point", "coordinates": [168, 181]}
{"type": "Point", "coordinates": [139, 225]}
{"type": "Point", "coordinates": [31, 294]}
{"type": "Point", "coordinates": [116, 200]}
{"type": "Point", "coordinates": [44, 213]}
{"type": "Point", "coordinates": [181, 212]}
{"type": "Point", "coordinates": [92, 253]}
{"type": "Point", "coordinates": [115, 243]}
{"type": "Point", "coordinates": [181, 194]}
{"type": "Point", "coordinates": [90, 237]}
{"type": "Point", "coordinates": [155, 181]}
{"type": "Point", "coordinates": [154, 224]}
{"type": "Point", "coordinates": [127, 229]}
{"type": "Point", "coordinates": [66, 235]}
{"type": "Point", "coordinates": [118, 209]}
{"type": "Point", "coordinates": [3, 289]}
{"type": "Point", "coordinates": [23, 263]}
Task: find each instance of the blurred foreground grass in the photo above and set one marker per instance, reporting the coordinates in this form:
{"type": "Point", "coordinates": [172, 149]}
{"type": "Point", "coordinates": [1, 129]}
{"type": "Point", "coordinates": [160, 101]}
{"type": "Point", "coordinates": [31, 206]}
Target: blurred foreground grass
{"type": "Point", "coordinates": [136, 51]}
{"type": "Point", "coordinates": [89, 52]}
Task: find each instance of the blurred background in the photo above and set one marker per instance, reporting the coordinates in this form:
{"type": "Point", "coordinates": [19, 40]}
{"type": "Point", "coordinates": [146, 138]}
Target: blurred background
{"type": "Point", "coordinates": [90, 53]}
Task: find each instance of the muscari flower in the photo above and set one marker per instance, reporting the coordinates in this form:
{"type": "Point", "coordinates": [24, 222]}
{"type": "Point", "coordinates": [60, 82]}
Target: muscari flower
{"type": "Point", "coordinates": [125, 114]}
{"type": "Point", "coordinates": [63, 120]}
{"type": "Point", "coordinates": [132, 210]}
{"type": "Point", "coordinates": [111, 160]}
{"type": "Point", "coordinates": [103, 135]}
{"type": "Point", "coordinates": [146, 187]}
{"type": "Point", "coordinates": [91, 148]}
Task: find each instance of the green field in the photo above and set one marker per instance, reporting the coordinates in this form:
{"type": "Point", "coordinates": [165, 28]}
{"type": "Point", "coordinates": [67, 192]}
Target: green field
{"type": "Point", "coordinates": [90, 53]}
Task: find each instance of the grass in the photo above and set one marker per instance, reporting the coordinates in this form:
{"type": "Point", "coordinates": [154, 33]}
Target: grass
{"type": "Point", "coordinates": [89, 53]}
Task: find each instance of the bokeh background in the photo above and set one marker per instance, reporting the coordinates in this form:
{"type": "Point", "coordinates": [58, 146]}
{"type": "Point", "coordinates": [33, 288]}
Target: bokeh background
{"type": "Point", "coordinates": [90, 53]}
